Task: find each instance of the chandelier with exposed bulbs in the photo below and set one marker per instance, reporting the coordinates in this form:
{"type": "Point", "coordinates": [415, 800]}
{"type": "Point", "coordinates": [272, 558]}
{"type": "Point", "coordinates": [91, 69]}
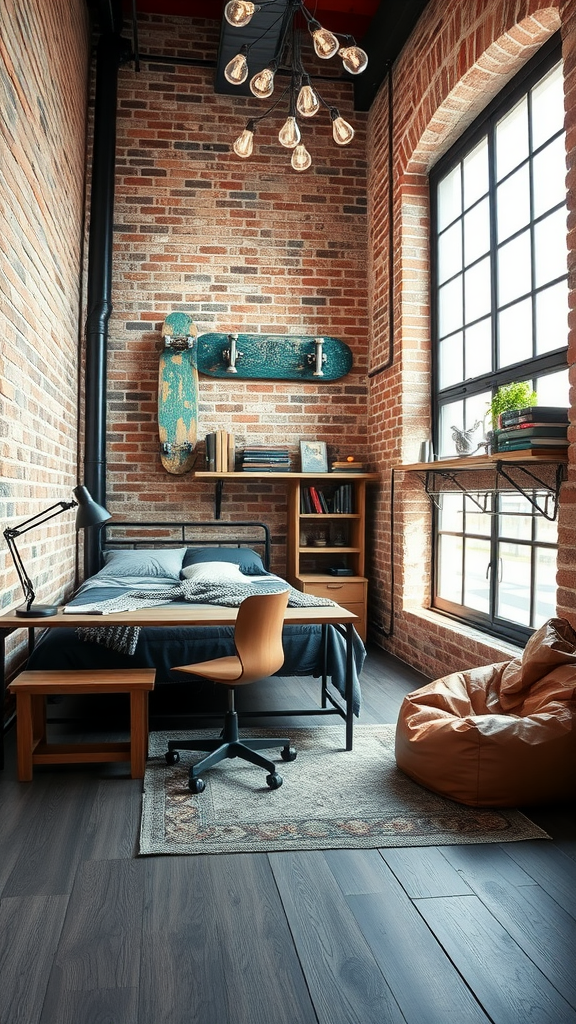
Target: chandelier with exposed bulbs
{"type": "Point", "coordinates": [303, 99]}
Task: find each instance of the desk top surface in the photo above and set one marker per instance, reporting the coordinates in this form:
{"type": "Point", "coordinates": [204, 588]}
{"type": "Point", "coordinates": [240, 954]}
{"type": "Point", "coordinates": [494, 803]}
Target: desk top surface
{"type": "Point", "coordinates": [175, 614]}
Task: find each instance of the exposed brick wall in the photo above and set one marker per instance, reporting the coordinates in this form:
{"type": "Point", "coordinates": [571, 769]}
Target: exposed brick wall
{"type": "Point", "coordinates": [251, 246]}
{"type": "Point", "coordinates": [44, 58]}
{"type": "Point", "coordinates": [242, 245]}
{"type": "Point", "coordinates": [458, 58]}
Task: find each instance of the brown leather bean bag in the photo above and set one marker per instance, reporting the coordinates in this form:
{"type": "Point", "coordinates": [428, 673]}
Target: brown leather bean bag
{"type": "Point", "coordinates": [501, 735]}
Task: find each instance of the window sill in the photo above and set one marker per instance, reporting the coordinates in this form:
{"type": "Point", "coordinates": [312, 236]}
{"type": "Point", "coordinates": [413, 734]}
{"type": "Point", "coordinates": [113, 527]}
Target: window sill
{"type": "Point", "coordinates": [508, 650]}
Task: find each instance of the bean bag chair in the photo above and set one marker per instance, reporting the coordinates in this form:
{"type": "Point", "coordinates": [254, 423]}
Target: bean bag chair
{"type": "Point", "coordinates": [502, 735]}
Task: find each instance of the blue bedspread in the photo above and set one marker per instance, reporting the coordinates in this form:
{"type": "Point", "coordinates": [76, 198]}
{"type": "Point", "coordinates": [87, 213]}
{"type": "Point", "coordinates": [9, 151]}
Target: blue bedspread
{"type": "Point", "coordinates": [162, 647]}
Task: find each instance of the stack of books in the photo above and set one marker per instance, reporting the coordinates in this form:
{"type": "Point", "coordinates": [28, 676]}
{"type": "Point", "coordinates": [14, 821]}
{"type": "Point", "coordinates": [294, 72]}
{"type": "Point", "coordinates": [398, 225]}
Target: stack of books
{"type": "Point", "coordinates": [220, 451]}
{"type": "Point", "coordinates": [265, 459]}
{"type": "Point", "coordinates": [535, 428]}
{"type": "Point", "coordinates": [348, 466]}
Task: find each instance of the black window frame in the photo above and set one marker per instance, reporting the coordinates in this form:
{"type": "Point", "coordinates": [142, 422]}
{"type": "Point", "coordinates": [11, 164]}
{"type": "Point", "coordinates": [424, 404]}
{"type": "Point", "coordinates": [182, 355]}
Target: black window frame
{"type": "Point", "coordinates": [549, 55]}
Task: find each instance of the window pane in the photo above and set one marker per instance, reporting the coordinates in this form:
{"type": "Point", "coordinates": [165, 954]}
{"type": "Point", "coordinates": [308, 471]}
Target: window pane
{"type": "Point", "coordinates": [476, 520]}
{"type": "Point", "coordinates": [475, 415]}
{"type": "Point", "coordinates": [515, 333]}
{"type": "Point", "coordinates": [514, 273]}
{"type": "Point", "coordinates": [450, 313]}
{"type": "Point", "coordinates": [477, 290]}
{"type": "Point", "coordinates": [550, 247]}
{"type": "Point", "coordinates": [475, 170]}
{"type": "Point", "coordinates": [476, 575]}
{"type": "Point", "coordinates": [512, 139]}
{"type": "Point", "coordinates": [513, 601]}
{"type": "Point", "coordinates": [450, 569]}
{"type": "Point", "coordinates": [546, 530]}
{"type": "Point", "coordinates": [476, 232]}
{"type": "Point", "coordinates": [451, 414]}
{"type": "Point", "coordinates": [478, 349]}
{"type": "Point", "coordinates": [450, 252]}
{"type": "Point", "coordinates": [449, 198]}
{"type": "Point", "coordinates": [547, 107]}
{"type": "Point", "coordinates": [550, 177]}
{"type": "Point", "coordinates": [552, 318]}
{"type": "Point", "coordinates": [511, 523]}
{"type": "Point", "coordinates": [513, 203]}
{"type": "Point", "coordinates": [545, 603]}
{"type": "Point", "coordinates": [451, 512]}
{"type": "Point", "coordinates": [451, 360]}
{"type": "Point", "coordinates": [553, 389]}
{"type": "Point", "coordinates": [466, 416]}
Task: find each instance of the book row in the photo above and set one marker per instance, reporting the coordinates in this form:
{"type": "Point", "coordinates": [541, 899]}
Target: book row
{"type": "Point", "coordinates": [316, 501]}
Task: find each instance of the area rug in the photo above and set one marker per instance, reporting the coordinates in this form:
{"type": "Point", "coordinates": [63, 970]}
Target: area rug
{"type": "Point", "coordinates": [331, 798]}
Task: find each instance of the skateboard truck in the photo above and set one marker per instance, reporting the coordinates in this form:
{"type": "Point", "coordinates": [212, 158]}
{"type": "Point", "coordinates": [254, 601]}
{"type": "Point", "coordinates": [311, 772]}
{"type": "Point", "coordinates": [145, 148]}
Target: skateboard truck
{"type": "Point", "coordinates": [167, 448]}
{"type": "Point", "coordinates": [317, 358]}
{"type": "Point", "coordinates": [178, 343]}
{"type": "Point", "coordinates": [230, 355]}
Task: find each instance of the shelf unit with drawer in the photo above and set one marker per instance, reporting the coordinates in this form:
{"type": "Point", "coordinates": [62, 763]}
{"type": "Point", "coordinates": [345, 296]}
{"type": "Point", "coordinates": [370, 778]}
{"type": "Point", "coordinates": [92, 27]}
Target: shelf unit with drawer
{"type": "Point", "coordinates": [319, 541]}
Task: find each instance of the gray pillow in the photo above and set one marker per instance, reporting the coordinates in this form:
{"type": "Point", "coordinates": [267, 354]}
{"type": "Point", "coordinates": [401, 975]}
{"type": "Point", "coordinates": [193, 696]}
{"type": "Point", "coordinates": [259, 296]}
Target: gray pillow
{"type": "Point", "coordinates": [159, 562]}
{"type": "Point", "coordinates": [249, 561]}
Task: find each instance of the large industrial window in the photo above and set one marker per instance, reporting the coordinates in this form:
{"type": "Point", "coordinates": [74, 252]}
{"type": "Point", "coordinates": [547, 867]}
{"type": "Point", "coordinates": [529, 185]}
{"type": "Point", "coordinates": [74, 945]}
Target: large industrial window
{"type": "Point", "coordinates": [500, 308]}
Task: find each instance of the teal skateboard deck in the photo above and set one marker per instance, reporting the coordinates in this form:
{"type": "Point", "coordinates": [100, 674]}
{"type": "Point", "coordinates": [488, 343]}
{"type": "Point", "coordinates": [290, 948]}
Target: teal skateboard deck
{"type": "Point", "coordinates": [273, 357]}
{"type": "Point", "coordinates": [178, 394]}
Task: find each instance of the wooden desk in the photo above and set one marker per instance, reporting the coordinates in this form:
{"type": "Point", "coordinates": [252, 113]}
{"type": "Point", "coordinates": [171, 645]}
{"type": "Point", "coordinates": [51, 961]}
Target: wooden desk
{"type": "Point", "coordinates": [187, 614]}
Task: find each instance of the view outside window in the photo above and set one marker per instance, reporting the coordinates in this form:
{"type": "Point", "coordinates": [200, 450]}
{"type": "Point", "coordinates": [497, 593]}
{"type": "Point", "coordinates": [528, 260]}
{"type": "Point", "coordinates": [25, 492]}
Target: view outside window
{"type": "Point", "coordinates": [500, 301]}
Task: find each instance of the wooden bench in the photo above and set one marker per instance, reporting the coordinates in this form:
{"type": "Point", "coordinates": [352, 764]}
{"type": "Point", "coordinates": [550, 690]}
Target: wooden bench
{"type": "Point", "coordinates": [31, 690]}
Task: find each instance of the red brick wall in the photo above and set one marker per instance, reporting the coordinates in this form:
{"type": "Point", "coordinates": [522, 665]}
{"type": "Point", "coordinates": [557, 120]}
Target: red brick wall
{"type": "Point", "coordinates": [44, 60]}
{"type": "Point", "coordinates": [458, 58]}
{"type": "Point", "coordinates": [242, 245]}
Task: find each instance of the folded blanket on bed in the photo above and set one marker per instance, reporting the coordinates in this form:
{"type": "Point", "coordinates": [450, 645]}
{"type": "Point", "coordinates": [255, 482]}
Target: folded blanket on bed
{"type": "Point", "coordinates": [125, 638]}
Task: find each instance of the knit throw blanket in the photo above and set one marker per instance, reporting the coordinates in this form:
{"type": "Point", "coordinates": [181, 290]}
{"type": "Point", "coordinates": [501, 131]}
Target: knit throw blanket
{"type": "Point", "coordinates": [125, 638]}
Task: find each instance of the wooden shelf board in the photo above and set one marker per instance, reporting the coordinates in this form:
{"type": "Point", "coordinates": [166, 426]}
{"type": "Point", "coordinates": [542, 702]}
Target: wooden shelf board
{"type": "Point", "coordinates": [474, 462]}
{"type": "Point", "coordinates": [208, 474]}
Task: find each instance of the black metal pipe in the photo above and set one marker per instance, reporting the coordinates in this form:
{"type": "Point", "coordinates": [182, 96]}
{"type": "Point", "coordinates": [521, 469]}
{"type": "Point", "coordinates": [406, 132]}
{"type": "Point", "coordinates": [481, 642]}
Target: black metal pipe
{"type": "Point", "coordinates": [99, 287]}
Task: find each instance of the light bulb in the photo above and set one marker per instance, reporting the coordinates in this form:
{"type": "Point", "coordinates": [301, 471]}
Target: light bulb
{"type": "Point", "coordinates": [325, 44]}
{"type": "Point", "coordinates": [307, 103]}
{"type": "Point", "coordinates": [354, 59]}
{"type": "Point", "coordinates": [289, 134]}
{"type": "Point", "coordinates": [301, 158]}
{"type": "Point", "coordinates": [236, 71]}
{"type": "Point", "coordinates": [244, 144]}
{"type": "Point", "coordinates": [262, 85]}
{"type": "Point", "coordinates": [342, 132]}
{"type": "Point", "coordinates": [239, 12]}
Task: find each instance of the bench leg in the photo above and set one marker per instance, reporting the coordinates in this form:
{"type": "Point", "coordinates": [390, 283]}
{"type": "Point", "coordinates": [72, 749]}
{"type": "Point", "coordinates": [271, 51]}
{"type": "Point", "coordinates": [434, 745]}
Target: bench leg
{"type": "Point", "coordinates": [24, 736]}
{"type": "Point", "coordinates": [138, 732]}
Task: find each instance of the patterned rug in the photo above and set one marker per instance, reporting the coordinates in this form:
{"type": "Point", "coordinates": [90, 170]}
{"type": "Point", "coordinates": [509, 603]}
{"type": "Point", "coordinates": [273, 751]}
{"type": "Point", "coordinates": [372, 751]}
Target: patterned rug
{"type": "Point", "coordinates": [330, 799]}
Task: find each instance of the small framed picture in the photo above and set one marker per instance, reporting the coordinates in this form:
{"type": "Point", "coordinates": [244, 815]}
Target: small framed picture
{"type": "Point", "coordinates": [313, 457]}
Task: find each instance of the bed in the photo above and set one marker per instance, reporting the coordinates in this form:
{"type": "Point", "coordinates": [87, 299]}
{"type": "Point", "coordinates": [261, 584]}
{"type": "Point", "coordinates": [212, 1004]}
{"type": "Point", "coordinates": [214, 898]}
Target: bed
{"type": "Point", "coordinates": [156, 561]}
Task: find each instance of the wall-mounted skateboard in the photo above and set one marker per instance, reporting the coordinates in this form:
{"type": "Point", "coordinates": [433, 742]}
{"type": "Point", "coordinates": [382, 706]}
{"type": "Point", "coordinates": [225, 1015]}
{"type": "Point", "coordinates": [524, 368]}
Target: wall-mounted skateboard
{"type": "Point", "coordinates": [273, 357]}
{"type": "Point", "coordinates": [178, 394]}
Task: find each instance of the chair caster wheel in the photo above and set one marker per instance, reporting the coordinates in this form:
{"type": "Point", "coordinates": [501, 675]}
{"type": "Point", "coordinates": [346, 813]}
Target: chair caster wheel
{"type": "Point", "coordinates": [274, 780]}
{"type": "Point", "coordinates": [288, 753]}
{"type": "Point", "coordinates": [196, 785]}
{"type": "Point", "coordinates": [172, 757]}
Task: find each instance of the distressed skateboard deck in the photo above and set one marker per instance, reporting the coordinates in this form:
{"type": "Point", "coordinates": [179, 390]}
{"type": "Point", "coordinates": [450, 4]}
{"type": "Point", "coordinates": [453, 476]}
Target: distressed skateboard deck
{"type": "Point", "coordinates": [273, 357]}
{"type": "Point", "coordinates": [178, 394]}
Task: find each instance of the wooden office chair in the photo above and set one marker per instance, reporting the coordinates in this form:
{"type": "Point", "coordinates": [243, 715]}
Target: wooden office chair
{"type": "Point", "coordinates": [259, 653]}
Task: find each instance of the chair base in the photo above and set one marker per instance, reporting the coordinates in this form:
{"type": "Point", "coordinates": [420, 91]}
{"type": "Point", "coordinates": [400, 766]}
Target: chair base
{"type": "Point", "coordinates": [228, 744]}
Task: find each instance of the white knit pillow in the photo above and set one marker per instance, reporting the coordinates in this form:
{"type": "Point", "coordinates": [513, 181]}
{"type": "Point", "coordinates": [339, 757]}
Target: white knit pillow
{"type": "Point", "coordinates": [214, 572]}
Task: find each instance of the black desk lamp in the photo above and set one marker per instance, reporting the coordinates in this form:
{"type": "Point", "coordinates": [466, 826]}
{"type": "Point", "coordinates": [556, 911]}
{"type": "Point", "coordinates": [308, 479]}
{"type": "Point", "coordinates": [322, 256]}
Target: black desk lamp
{"type": "Point", "coordinates": [89, 514]}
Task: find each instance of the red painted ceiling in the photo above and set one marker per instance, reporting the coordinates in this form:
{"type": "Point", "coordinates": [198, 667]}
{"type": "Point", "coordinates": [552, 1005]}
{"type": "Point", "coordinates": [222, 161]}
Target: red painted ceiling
{"type": "Point", "coordinates": [351, 16]}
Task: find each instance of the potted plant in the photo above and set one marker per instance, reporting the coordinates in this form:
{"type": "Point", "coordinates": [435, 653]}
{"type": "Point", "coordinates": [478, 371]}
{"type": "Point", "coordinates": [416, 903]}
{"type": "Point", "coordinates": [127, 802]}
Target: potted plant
{"type": "Point", "coordinates": [517, 395]}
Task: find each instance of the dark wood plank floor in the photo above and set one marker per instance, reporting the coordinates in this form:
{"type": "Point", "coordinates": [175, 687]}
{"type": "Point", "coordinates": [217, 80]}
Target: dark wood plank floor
{"type": "Point", "coordinates": [91, 934]}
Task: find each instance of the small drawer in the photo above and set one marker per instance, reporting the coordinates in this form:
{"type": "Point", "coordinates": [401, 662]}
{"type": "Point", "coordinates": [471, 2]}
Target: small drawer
{"type": "Point", "coordinates": [344, 592]}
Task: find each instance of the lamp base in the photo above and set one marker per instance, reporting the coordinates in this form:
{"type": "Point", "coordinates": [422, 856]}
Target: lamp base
{"type": "Point", "coordinates": [37, 611]}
